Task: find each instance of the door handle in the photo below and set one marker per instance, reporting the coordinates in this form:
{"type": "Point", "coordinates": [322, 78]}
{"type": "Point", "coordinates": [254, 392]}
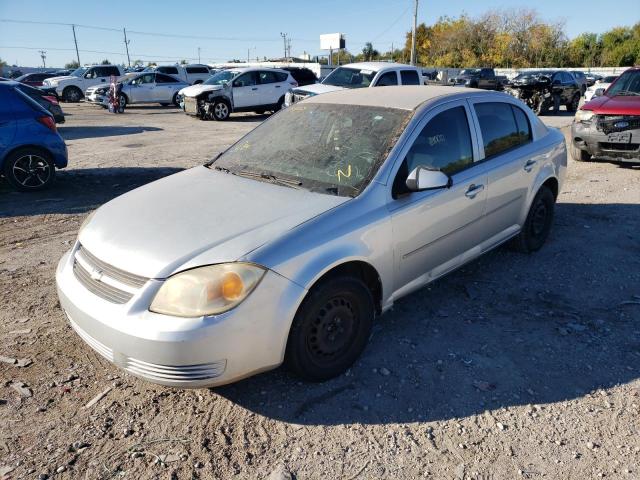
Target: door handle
{"type": "Point", "coordinates": [529, 165]}
{"type": "Point", "coordinates": [473, 190]}
{"type": "Point", "coordinates": [278, 86]}
{"type": "Point", "coordinates": [255, 88]}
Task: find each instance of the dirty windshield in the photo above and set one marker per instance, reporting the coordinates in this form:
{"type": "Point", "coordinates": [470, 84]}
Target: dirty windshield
{"type": "Point", "coordinates": [327, 148]}
{"type": "Point", "coordinates": [350, 77]}
{"type": "Point", "coordinates": [221, 78]}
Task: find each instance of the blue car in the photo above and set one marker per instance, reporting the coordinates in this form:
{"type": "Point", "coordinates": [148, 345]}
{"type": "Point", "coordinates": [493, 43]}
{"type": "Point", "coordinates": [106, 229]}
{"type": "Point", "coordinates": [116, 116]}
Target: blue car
{"type": "Point", "coordinates": [30, 146]}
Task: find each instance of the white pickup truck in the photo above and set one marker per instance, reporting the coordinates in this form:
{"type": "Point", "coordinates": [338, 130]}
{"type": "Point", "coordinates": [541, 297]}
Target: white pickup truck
{"type": "Point", "coordinates": [192, 74]}
{"type": "Point", "coordinates": [358, 75]}
{"type": "Point", "coordinates": [71, 88]}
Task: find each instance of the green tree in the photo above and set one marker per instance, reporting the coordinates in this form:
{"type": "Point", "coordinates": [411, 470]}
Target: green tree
{"type": "Point", "coordinates": [72, 65]}
{"type": "Point", "coordinates": [2, 63]}
{"type": "Point", "coordinates": [183, 62]}
{"type": "Point", "coordinates": [105, 62]}
{"type": "Point", "coordinates": [369, 53]}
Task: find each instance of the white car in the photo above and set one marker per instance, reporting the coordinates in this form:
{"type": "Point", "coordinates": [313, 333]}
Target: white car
{"type": "Point", "coordinates": [70, 88]}
{"type": "Point", "coordinates": [598, 89]}
{"type": "Point", "coordinates": [144, 87]}
{"type": "Point", "coordinates": [192, 74]}
{"type": "Point", "coordinates": [238, 90]}
{"type": "Point", "coordinates": [359, 75]}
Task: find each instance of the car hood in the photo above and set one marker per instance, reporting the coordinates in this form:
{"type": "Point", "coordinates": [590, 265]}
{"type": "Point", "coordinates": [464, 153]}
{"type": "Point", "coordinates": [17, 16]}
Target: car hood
{"type": "Point", "coordinates": [196, 90]}
{"type": "Point", "coordinates": [617, 105]}
{"type": "Point", "coordinates": [317, 89]}
{"type": "Point", "coordinates": [196, 217]}
{"type": "Point", "coordinates": [58, 79]}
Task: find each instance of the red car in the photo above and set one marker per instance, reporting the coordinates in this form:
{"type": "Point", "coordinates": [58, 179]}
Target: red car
{"type": "Point", "coordinates": [609, 126]}
{"type": "Point", "coordinates": [34, 79]}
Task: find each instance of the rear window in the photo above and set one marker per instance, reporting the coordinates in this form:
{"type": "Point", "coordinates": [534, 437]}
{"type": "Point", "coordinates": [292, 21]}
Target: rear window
{"type": "Point", "coordinates": [169, 70]}
{"type": "Point", "coordinates": [503, 127]}
{"type": "Point", "coordinates": [161, 78]}
{"type": "Point", "coordinates": [409, 77]}
{"type": "Point", "coordinates": [197, 70]}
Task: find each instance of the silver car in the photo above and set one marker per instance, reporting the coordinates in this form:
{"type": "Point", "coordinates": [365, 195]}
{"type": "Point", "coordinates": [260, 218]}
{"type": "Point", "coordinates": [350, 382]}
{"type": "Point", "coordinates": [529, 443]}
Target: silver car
{"type": "Point", "coordinates": [288, 245]}
{"type": "Point", "coordinates": [145, 87]}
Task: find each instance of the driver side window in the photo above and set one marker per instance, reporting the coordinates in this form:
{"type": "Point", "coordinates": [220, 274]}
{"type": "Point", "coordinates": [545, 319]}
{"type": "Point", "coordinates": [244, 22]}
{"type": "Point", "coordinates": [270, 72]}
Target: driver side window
{"type": "Point", "coordinates": [246, 80]}
{"type": "Point", "coordinates": [91, 74]}
{"type": "Point", "coordinates": [444, 144]}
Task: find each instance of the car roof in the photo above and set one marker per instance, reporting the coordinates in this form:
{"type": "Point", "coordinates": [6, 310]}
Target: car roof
{"type": "Point", "coordinates": [253, 69]}
{"type": "Point", "coordinates": [376, 66]}
{"type": "Point", "coordinates": [402, 97]}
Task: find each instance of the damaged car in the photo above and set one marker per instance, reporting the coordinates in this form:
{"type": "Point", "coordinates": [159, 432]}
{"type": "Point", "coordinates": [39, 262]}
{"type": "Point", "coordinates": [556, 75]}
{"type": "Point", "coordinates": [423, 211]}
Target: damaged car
{"type": "Point", "coordinates": [543, 90]}
{"type": "Point", "coordinates": [608, 126]}
{"type": "Point", "coordinates": [256, 90]}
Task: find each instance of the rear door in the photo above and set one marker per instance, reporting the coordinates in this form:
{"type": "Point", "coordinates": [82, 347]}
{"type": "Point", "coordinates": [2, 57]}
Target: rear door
{"type": "Point", "coordinates": [166, 87]}
{"type": "Point", "coordinates": [245, 91]}
{"type": "Point", "coordinates": [507, 150]}
{"type": "Point", "coordinates": [7, 118]}
{"type": "Point", "coordinates": [271, 86]}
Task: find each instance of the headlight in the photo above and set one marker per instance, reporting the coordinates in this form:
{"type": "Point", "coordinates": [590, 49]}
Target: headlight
{"type": "Point", "coordinates": [86, 221]}
{"type": "Point", "coordinates": [207, 290]}
{"type": "Point", "coordinates": [584, 115]}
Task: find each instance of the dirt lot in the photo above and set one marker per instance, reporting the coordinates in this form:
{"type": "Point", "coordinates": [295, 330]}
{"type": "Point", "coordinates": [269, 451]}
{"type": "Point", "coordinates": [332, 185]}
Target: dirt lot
{"type": "Point", "coordinates": [514, 367]}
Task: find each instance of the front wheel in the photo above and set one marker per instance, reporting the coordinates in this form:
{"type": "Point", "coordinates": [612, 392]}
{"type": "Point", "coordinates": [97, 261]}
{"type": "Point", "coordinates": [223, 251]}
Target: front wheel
{"type": "Point", "coordinates": [72, 94]}
{"type": "Point", "coordinates": [330, 329]}
{"type": "Point", "coordinates": [221, 110]}
{"type": "Point", "coordinates": [29, 170]}
{"type": "Point", "coordinates": [538, 223]}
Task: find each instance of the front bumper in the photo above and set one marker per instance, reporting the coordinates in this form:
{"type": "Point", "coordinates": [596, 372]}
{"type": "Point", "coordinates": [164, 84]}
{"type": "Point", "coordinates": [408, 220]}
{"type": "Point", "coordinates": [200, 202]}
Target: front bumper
{"type": "Point", "coordinates": [96, 98]}
{"type": "Point", "coordinates": [183, 352]}
{"type": "Point", "coordinates": [50, 91]}
{"type": "Point", "coordinates": [586, 136]}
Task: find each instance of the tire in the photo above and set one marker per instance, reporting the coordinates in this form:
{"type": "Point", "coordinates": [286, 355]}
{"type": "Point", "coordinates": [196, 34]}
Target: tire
{"type": "Point", "coordinates": [541, 108]}
{"type": "Point", "coordinates": [29, 170]}
{"type": "Point", "coordinates": [221, 110]}
{"type": "Point", "coordinates": [174, 100]}
{"type": "Point", "coordinates": [279, 105]}
{"type": "Point", "coordinates": [579, 155]}
{"type": "Point", "coordinates": [72, 94]}
{"type": "Point", "coordinates": [572, 106]}
{"type": "Point", "coordinates": [123, 101]}
{"type": "Point", "coordinates": [260, 112]}
{"type": "Point", "coordinates": [538, 223]}
{"type": "Point", "coordinates": [330, 329]}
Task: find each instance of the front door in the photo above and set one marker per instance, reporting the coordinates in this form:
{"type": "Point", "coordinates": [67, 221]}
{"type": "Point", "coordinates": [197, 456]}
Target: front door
{"type": "Point", "coordinates": [245, 91]}
{"type": "Point", "coordinates": [143, 89]}
{"type": "Point", "coordinates": [436, 231]}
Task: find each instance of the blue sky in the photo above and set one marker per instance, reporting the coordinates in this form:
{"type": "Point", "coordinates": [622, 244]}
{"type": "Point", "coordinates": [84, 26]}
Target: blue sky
{"type": "Point", "coordinates": [251, 25]}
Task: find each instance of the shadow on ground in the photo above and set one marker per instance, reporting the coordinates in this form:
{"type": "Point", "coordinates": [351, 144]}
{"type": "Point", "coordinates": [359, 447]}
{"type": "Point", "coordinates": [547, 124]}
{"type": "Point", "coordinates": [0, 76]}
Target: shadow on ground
{"type": "Point", "coordinates": [76, 133]}
{"type": "Point", "coordinates": [78, 190]}
{"type": "Point", "coordinates": [506, 330]}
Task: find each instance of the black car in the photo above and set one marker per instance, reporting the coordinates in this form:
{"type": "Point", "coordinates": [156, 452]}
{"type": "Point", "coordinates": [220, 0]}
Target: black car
{"type": "Point", "coordinates": [49, 102]}
{"type": "Point", "coordinates": [545, 89]}
{"type": "Point", "coordinates": [476, 78]}
{"type": "Point", "coordinates": [302, 75]}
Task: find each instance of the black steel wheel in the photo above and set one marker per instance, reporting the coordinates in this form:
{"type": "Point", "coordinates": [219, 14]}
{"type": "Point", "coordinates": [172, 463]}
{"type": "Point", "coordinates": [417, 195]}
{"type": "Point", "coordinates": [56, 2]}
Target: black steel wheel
{"type": "Point", "coordinates": [29, 170]}
{"type": "Point", "coordinates": [537, 226]}
{"type": "Point", "coordinates": [330, 329]}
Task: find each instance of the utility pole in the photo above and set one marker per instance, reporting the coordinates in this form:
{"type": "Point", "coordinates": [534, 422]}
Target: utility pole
{"type": "Point", "coordinates": [73, 27]}
{"type": "Point", "coordinates": [43, 55]}
{"type": "Point", "coordinates": [413, 34]}
{"type": "Point", "coordinates": [249, 54]}
{"type": "Point", "coordinates": [126, 44]}
{"type": "Point", "coordinates": [284, 38]}
{"type": "Point", "coordinates": [289, 47]}
{"type": "Point", "coordinates": [198, 54]}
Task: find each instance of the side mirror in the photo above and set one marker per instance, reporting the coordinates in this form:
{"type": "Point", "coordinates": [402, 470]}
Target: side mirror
{"type": "Point", "coordinates": [422, 178]}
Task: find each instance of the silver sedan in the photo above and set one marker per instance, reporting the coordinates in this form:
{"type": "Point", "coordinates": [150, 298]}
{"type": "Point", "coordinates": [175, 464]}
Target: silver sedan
{"type": "Point", "coordinates": [287, 246]}
{"type": "Point", "coordinates": [140, 88]}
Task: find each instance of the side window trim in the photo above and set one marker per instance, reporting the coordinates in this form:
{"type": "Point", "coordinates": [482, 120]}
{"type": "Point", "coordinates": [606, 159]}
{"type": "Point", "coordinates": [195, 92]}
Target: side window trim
{"type": "Point", "coordinates": [382, 74]}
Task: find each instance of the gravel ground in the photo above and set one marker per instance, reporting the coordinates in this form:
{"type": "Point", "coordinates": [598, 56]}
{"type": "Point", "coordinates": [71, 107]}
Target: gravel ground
{"type": "Point", "coordinates": [516, 366]}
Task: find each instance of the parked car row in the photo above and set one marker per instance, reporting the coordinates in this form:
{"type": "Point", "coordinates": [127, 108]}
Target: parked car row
{"type": "Point", "coordinates": [138, 88]}
{"type": "Point", "coordinates": [542, 90]}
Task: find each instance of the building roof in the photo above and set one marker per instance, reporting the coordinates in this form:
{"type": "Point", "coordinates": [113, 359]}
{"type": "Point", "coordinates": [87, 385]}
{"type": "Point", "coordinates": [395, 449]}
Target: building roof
{"type": "Point", "coordinates": [402, 97]}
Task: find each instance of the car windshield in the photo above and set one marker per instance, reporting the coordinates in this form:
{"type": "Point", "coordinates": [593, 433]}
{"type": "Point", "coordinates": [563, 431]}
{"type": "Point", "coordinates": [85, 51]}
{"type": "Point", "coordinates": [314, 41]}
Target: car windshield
{"type": "Point", "coordinates": [327, 148]}
{"type": "Point", "coordinates": [22, 77]}
{"type": "Point", "coordinates": [79, 72]}
{"type": "Point", "coordinates": [470, 71]}
{"type": "Point", "coordinates": [533, 73]}
{"type": "Point", "coordinates": [350, 77]}
{"type": "Point", "coordinates": [609, 79]}
{"type": "Point", "coordinates": [220, 78]}
{"type": "Point", "coordinates": [627, 84]}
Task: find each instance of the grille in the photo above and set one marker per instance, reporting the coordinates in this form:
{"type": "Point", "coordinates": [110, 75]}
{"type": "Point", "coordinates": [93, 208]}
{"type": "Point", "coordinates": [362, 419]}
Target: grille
{"type": "Point", "coordinates": [617, 123]}
{"type": "Point", "coordinates": [190, 105]}
{"type": "Point", "coordinates": [105, 281]}
{"type": "Point", "coordinates": [622, 147]}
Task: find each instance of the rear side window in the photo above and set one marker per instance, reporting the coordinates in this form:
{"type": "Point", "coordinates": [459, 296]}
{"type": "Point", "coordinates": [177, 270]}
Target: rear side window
{"type": "Point", "coordinates": [503, 127]}
{"type": "Point", "coordinates": [387, 79]}
{"type": "Point", "coordinates": [161, 78]}
{"type": "Point", "coordinates": [444, 143]}
{"type": "Point", "coordinates": [197, 70]}
{"type": "Point", "coordinates": [409, 77]}
{"type": "Point", "coordinates": [169, 70]}
{"type": "Point", "coordinates": [270, 77]}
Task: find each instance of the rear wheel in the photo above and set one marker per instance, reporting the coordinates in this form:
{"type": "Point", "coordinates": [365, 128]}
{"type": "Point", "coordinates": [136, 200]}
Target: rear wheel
{"type": "Point", "coordinates": [579, 155]}
{"type": "Point", "coordinates": [540, 108]}
{"type": "Point", "coordinates": [29, 170]}
{"type": "Point", "coordinates": [174, 100]}
{"type": "Point", "coordinates": [330, 329]}
{"type": "Point", "coordinates": [72, 94]}
{"type": "Point", "coordinates": [538, 223]}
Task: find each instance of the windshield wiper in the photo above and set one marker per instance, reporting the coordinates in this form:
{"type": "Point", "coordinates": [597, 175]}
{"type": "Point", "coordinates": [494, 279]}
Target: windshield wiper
{"type": "Point", "coordinates": [267, 176]}
{"type": "Point", "coordinates": [625, 93]}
